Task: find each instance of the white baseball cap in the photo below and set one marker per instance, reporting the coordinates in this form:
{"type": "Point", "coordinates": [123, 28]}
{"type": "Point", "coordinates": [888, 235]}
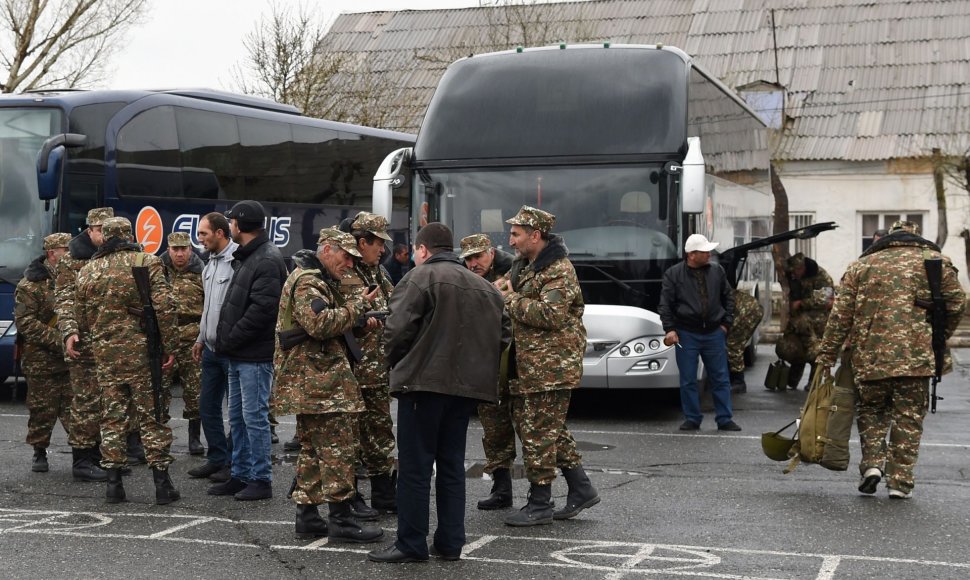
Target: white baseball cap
{"type": "Point", "coordinates": [698, 243]}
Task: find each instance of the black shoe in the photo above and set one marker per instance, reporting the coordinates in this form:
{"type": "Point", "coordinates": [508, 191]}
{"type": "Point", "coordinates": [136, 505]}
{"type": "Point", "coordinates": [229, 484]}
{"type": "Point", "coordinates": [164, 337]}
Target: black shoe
{"type": "Point", "coordinates": [361, 510]}
{"type": "Point", "coordinates": [689, 426]}
{"type": "Point", "coordinates": [434, 552]}
{"type": "Point", "coordinates": [165, 492]}
{"type": "Point", "coordinates": [292, 445]}
{"type": "Point", "coordinates": [40, 465]}
{"type": "Point", "coordinates": [581, 494]}
{"type": "Point", "coordinates": [115, 492]}
{"type": "Point", "coordinates": [383, 493]}
{"type": "Point", "coordinates": [392, 555]}
{"type": "Point", "coordinates": [223, 475]}
{"type": "Point", "coordinates": [501, 494]}
{"type": "Point", "coordinates": [204, 470]}
{"type": "Point", "coordinates": [729, 426]}
{"type": "Point", "coordinates": [136, 451]}
{"type": "Point", "coordinates": [309, 524]}
{"type": "Point", "coordinates": [870, 480]}
{"type": "Point", "coordinates": [537, 511]}
{"type": "Point", "coordinates": [231, 487]}
{"type": "Point", "coordinates": [85, 468]}
{"type": "Point", "coordinates": [273, 437]}
{"type": "Point", "coordinates": [342, 526]}
{"type": "Point", "coordinates": [195, 437]}
{"type": "Point", "coordinates": [255, 490]}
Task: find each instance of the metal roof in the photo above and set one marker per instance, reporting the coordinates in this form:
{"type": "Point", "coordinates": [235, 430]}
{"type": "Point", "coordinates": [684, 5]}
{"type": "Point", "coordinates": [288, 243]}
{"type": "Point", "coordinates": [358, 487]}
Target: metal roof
{"type": "Point", "coordinates": [865, 79]}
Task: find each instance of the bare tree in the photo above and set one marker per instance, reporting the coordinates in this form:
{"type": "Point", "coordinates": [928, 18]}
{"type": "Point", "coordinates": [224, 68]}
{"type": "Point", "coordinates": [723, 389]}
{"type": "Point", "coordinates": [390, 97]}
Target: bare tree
{"type": "Point", "coordinates": [66, 43]}
{"type": "Point", "coordinates": [282, 61]}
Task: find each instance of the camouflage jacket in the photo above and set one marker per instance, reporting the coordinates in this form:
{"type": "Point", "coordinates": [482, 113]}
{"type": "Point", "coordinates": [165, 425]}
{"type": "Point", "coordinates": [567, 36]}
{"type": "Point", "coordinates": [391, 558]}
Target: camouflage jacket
{"type": "Point", "coordinates": [748, 313]}
{"type": "Point", "coordinates": [80, 250]}
{"type": "Point", "coordinates": [811, 291]}
{"type": "Point", "coordinates": [315, 376]}
{"type": "Point", "coordinates": [371, 370]}
{"type": "Point", "coordinates": [546, 308]}
{"type": "Point", "coordinates": [189, 295]}
{"type": "Point", "coordinates": [105, 301]}
{"type": "Point", "coordinates": [36, 318]}
{"type": "Point", "coordinates": [876, 310]}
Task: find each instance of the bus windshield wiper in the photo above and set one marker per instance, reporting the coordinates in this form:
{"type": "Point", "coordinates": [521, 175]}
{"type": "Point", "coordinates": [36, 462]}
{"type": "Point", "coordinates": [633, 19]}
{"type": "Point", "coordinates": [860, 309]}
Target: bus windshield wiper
{"type": "Point", "coordinates": [623, 285]}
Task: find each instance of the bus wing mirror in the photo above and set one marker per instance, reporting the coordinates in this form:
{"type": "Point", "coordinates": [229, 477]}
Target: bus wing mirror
{"type": "Point", "coordinates": [50, 163]}
{"type": "Point", "coordinates": [387, 179]}
{"type": "Point", "coordinates": [692, 183]}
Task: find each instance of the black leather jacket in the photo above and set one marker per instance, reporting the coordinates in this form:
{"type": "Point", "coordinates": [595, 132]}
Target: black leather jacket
{"type": "Point", "coordinates": [247, 322]}
{"type": "Point", "coordinates": [680, 304]}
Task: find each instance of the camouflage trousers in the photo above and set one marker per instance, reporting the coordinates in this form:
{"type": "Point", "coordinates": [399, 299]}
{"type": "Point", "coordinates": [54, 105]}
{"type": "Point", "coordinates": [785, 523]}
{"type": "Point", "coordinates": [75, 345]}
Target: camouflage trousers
{"type": "Point", "coordinates": [85, 403]}
{"type": "Point", "coordinates": [897, 406]}
{"type": "Point", "coordinates": [135, 399]}
{"type": "Point", "coordinates": [190, 375]}
{"type": "Point", "coordinates": [737, 340]}
{"type": "Point", "coordinates": [499, 432]}
{"type": "Point", "coordinates": [540, 421]}
{"type": "Point", "coordinates": [328, 451]}
{"type": "Point", "coordinates": [48, 399]}
{"type": "Point", "coordinates": [374, 430]}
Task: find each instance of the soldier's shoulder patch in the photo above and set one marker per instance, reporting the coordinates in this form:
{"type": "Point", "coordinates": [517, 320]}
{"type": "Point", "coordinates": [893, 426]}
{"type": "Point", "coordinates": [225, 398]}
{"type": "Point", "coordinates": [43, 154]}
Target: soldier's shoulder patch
{"type": "Point", "coordinates": [554, 296]}
{"type": "Point", "coordinates": [20, 309]}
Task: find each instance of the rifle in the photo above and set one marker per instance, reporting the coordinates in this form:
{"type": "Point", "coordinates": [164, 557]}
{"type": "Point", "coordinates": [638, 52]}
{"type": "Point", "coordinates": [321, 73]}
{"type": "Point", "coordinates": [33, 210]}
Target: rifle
{"type": "Point", "coordinates": [934, 274]}
{"type": "Point", "coordinates": [378, 314]}
{"type": "Point", "coordinates": [149, 321]}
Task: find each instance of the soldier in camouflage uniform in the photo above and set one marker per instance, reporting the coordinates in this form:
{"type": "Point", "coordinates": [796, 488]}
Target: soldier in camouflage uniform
{"type": "Point", "coordinates": [880, 311]}
{"type": "Point", "coordinates": [183, 270]}
{"type": "Point", "coordinates": [748, 313]}
{"type": "Point", "coordinates": [498, 438]}
{"type": "Point", "coordinates": [109, 312]}
{"type": "Point", "coordinates": [544, 301]}
{"type": "Point", "coordinates": [375, 432]}
{"type": "Point", "coordinates": [84, 435]}
{"type": "Point", "coordinates": [49, 391]}
{"type": "Point", "coordinates": [314, 381]}
{"type": "Point", "coordinates": [810, 296]}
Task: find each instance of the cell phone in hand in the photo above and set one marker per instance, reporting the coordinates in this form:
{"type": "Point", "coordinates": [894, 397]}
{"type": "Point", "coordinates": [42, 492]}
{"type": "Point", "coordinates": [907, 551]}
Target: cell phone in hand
{"type": "Point", "coordinates": [371, 288]}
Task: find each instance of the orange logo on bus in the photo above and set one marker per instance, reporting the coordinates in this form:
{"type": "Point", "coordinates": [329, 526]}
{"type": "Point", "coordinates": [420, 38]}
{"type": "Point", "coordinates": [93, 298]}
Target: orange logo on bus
{"type": "Point", "coordinates": [148, 229]}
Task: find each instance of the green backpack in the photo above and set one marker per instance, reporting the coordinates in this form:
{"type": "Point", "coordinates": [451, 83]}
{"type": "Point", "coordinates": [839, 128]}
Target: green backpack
{"type": "Point", "coordinates": [825, 425]}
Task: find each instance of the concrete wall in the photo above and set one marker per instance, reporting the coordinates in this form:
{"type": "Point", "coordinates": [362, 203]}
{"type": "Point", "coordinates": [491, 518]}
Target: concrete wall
{"type": "Point", "coordinates": [842, 191]}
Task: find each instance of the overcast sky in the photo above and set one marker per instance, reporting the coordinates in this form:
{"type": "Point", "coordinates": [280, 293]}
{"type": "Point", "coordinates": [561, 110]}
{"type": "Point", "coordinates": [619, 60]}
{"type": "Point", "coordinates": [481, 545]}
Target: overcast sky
{"type": "Point", "coordinates": [194, 43]}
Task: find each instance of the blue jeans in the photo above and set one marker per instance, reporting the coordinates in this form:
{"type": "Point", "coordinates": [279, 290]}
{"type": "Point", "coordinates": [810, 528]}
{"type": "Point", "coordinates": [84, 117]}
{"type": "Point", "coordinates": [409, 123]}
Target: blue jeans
{"type": "Point", "coordinates": [712, 349]}
{"type": "Point", "coordinates": [249, 386]}
{"type": "Point", "coordinates": [215, 383]}
{"type": "Point", "coordinates": [431, 433]}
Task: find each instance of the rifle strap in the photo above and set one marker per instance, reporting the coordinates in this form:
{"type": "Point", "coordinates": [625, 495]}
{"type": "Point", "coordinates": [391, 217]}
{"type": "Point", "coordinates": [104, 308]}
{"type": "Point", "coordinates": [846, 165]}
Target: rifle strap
{"type": "Point", "coordinates": [142, 280]}
{"type": "Point", "coordinates": [288, 311]}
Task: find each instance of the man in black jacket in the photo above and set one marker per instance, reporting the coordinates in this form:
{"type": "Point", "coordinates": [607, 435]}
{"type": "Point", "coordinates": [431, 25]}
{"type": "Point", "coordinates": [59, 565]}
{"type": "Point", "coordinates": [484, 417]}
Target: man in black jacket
{"type": "Point", "coordinates": [697, 310]}
{"type": "Point", "coordinates": [443, 338]}
{"type": "Point", "coordinates": [245, 336]}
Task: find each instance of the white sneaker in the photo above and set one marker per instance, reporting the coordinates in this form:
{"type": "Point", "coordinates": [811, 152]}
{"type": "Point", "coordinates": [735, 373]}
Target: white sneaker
{"type": "Point", "coordinates": [898, 494]}
{"type": "Point", "coordinates": [870, 480]}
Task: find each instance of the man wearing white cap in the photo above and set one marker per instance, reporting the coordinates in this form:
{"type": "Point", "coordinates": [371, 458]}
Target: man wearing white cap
{"type": "Point", "coordinates": [697, 310]}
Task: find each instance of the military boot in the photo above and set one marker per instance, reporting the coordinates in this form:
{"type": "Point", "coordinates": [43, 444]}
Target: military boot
{"type": "Point", "coordinates": [273, 437]}
{"type": "Point", "coordinates": [501, 495]}
{"type": "Point", "coordinates": [737, 383]}
{"type": "Point", "coordinates": [115, 493]}
{"type": "Point", "coordinates": [84, 468]}
{"type": "Point", "coordinates": [195, 437]}
{"type": "Point", "coordinates": [361, 510]}
{"type": "Point", "coordinates": [136, 451]}
{"type": "Point", "coordinates": [40, 464]}
{"type": "Point", "coordinates": [165, 492]}
{"type": "Point", "coordinates": [795, 375]}
{"type": "Point", "coordinates": [537, 511]}
{"type": "Point", "coordinates": [383, 493]}
{"type": "Point", "coordinates": [309, 524]}
{"type": "Point", "coordinates": [344, 527]}
{"type": "Point", "coordinates": [581, 493]}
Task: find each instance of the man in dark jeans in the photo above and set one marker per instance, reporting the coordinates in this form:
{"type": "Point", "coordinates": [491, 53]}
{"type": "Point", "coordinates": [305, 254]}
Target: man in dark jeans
{"type": "Point", "coordinates": [697, 310]}
{"type": "Point", "coordinates": [439, 313]}
{"type": "Point", "coordinates": [216, 236]}
{"type": "Point", "coordinates": [246, 336]}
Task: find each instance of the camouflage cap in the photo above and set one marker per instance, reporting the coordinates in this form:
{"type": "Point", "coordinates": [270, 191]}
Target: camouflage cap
{"type": "Point", "coordinates": [373, 223]}
{"type": "Point", "coordinates": [534, 218]}
{"type": "Point", "coordinates": [116, 227]}
{"type": "Point", "coordinates": [97, 215]}
{"type": "Point", "coordinates": [905, 226]}
{"type": "Point", "coordinates": [60, 240]}
{"type": "Point", "coordinates": [794, 262]}
{"type": "Point", "coordinates": [474, 244]}
{"type": "Point", "coordinates": [343, 240]}
{"type": "Point", "coordinates": [179, 240]}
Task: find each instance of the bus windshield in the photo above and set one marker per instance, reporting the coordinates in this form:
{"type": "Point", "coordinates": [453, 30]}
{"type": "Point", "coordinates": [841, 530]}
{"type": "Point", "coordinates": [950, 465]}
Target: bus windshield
{"type": "Point", "coordinates": [23, 218]}
{"type": "Point", "coordinates": [603, 212]}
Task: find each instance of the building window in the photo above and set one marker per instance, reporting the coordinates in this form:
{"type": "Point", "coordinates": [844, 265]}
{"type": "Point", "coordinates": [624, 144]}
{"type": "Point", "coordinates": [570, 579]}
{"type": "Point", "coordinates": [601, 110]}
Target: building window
{"type": "Point", "coordinates": [806, 247]}
{"type": "Point", "coordinates": [881, 221]}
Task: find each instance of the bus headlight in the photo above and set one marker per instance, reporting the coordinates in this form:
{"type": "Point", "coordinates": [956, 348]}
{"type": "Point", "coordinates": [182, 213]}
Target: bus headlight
{"type": "Point", "coordinates": [639, 348]}
{"type": "Point", "coordinates": [624, 350]}
{"type": "Point", "coordinates": [654, 344]}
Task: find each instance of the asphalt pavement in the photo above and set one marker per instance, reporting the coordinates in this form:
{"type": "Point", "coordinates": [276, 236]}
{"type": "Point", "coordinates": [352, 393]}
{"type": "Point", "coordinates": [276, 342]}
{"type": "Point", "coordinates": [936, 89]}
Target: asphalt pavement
{"type": "Point", "coordinates": [706, 504]}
